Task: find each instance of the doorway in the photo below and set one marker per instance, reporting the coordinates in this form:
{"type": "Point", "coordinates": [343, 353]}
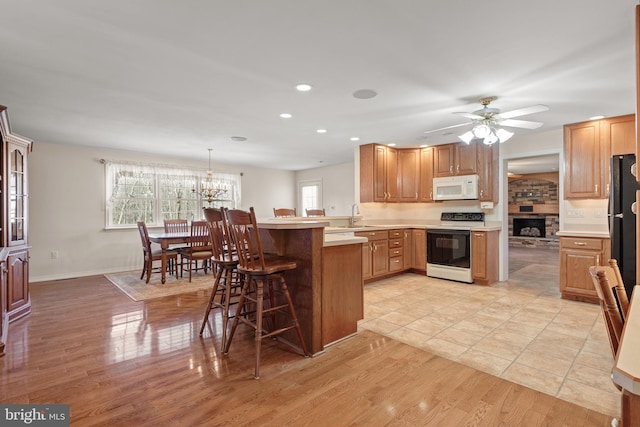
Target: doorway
{"type": "Point", "coordinates": [532, 194]}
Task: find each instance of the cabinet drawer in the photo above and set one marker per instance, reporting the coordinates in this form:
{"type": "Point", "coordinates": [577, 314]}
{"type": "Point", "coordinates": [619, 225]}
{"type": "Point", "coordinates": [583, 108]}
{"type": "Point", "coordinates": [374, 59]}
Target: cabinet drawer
{"type": "Point", "coordinates": [396, 263]}
{"type": "Point", "coordinates": [374, 235]}
{"type": "Point", "coordinates": [582, 243]}
{"type": "Point", "coordinates": [395, 243]}
{"type": "Point", "coordinates": [395, 234]}
{"type": "Point", "coordinates": [394, 252]}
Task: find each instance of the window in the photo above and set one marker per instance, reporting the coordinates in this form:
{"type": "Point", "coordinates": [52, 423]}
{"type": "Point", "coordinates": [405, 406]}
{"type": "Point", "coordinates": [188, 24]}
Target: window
{"type": "Point", "coordinates": [310, 195]}
{"type": "Point", "coordinates": [149, 193]}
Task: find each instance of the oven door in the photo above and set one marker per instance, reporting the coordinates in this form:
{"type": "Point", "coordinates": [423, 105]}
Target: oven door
{"type": "Point", "coordinates": [449, 248]}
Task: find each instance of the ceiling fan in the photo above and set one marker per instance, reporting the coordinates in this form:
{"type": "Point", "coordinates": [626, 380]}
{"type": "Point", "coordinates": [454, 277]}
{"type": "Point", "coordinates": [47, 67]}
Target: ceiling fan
{"type": "Point", "coordinates": [487, 122]}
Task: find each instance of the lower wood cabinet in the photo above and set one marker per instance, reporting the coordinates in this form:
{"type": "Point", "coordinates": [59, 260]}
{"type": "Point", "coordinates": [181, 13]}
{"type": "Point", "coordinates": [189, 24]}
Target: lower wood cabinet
{"type": "Point", "coordinates": [419, 250]}
{"type": "Point", "coordinates": [396, 250]}
{"type": "Point", "coordinates": [375, 253]}
{"type": "Point", "coordinates": [484, 256]}
{"type": "Point", "coordinates": [18, 302]}
{"type": "Point", "coordinates": [577, 254]}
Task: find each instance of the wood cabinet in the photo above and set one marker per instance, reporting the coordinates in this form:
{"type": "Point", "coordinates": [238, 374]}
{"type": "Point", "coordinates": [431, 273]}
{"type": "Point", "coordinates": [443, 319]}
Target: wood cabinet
{"type": "Point", "coordinates": [487, 167]}
{"type": "Point", "coordinates": [484, 256]}
{"type": "Point", "coordinates": [426, 175]}
{"type": "Point", "coordinates": [408, 175]}
{"type": "Point", "coordinates": [577, 254]}
{"type": "Point", "coordinates": [407, 238]}
{"type": "Point", "coordinates": [375, 253]}
{"type": "Point", "coordinates": [342, 292]}
{"type": "Point", "coordinates": [14, 220]}
{"type": "Point", "coordinates": [378, 173]}
{"type": "Point", "coordinates": [419, 250]}
{"type": "Point", "coordinates": [588, 147]}
{"type": "Point", "coordinates": [454, 159]}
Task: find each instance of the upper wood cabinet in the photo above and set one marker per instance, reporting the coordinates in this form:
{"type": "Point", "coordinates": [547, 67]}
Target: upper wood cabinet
{"type": "Point", "coordinates": [488, 156]}
{"type": "Point", "coordinates": [408, 175]}
{"type": "Point", "coordinates": [426, 174]}
{"type": "Point", "coordinates": [455, 159]}
{"type": "Point", "coordinates": [588, 147]}
{"type": "Point", "coordinates": [378, 173]}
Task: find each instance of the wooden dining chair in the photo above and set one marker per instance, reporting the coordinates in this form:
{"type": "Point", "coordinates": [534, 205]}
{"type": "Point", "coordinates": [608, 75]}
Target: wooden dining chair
{"type": "Point", "coordinates": [619, 290]}
{"type": "Point", "coordinates": [227, 284]}
{"type": "Point", "coordinates": [154, 255]}
{"type": "Point", "coordinates": [604, 280]}
{"type": "Point", "coordinates": [176, 225]}
{"type": "Point", "coordinates": [315, 212]}
{"type": "Point", "coordinates": [264, 286]}
{"type": "Point", "coordinates": [199, 248]}
{"type": "Point", "coordinates": [284, 212]}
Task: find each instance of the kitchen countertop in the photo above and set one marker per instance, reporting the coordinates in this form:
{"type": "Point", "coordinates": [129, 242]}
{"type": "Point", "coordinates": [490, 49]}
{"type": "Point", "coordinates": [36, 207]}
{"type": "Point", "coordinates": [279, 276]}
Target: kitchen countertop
{"type": "Point", "coordinates": [583, 233]}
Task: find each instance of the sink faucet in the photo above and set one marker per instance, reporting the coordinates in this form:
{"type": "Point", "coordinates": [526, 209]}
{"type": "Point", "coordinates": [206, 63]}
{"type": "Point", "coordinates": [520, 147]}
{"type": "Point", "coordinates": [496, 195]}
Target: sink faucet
{"type": "Point", "coordinates": [355, 210]}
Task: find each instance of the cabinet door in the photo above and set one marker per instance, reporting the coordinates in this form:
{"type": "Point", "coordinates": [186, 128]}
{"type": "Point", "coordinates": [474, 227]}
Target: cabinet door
{"type": "Point", "coordinates": [466, 158]}
{"type": "Point", "coordinates": [391, 181]}
{"type": "Point", "coordinates": [366, 260]}
{"type": "Point", "coordinates": [488, 172]}
{"type": "Point", "coordinates": [18, 284]}
{"type": "Point", "coordinates": [3, 306]}
{"type": "Point", "coordinates": [380, 258]}
{"type": "Point", "coordinates": [619, 133]}
{"type": "Point", "coordinates": [380, 174]}
{"type": "Point", "coordinates": [408, 174]}
{"type": "Point", "coordinates": [419, 256]}
{"type": "Point", "coordinates": [406, 245]}
{"type": "Point", "coordinates": [584, 164]}
{"type": "Point", "coordinates": [426, 174]}
{"type": "Point", "coordinates": [17, 194]}
{"type": "Point", "coordinates": [443, 160]}
{"type": "Point", "coordinates": [479, 255]}
{"type": "Point", "coordinates": [575, 281]}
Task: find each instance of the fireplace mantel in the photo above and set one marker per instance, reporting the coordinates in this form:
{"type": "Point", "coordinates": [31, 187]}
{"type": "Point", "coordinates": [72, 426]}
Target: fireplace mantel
{"type": "Point", "coordinates": [542, 208]}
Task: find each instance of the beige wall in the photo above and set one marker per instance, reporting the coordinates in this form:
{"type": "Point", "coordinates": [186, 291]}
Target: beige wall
{"type": "Point", "coordinates": [67, 209]}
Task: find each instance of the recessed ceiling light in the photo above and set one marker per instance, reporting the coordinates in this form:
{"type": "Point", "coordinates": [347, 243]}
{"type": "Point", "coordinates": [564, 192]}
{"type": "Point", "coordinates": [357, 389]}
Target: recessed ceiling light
{"type": "Point", "coordinates": [238, 138]}
{"type": "Point", "coordinates": [321, 131]}
{"type": "Point", "coordinates": [285, 115]}
{"type": "Point", "coordinates": [392, 144]}
{"type": "Point", "coordinates": [596, 117]}
{"type": "Point", "coordinates": [303, 87]}
{"type": "Point", "coordinates": [354, 138]}
{"type": "Point", "coordinates": [424, 145]}
{"type": "Point", "coordinates": [365, 93]}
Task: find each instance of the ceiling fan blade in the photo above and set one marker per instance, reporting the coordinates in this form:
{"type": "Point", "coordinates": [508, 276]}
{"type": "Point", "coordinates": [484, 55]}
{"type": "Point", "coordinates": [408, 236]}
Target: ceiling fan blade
{"type": "Point", "coordinates": [524, 111]}
{"type": "Point", "coordinates": [447, 127]}
{"type": "Point", "coordinates": [520, 124]}
{"type": "Point", "coordinates": [469, 116]}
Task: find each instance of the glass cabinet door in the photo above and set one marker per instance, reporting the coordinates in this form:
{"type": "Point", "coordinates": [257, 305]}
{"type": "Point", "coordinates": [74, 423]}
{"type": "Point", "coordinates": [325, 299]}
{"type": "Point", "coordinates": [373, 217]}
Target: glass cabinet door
{"type": "Point", "coordinates": [17, 196]}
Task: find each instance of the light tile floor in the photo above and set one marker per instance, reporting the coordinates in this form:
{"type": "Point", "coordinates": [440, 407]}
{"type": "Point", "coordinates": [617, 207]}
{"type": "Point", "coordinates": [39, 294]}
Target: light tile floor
{"type": "Point", "coordinates": [519, 330]}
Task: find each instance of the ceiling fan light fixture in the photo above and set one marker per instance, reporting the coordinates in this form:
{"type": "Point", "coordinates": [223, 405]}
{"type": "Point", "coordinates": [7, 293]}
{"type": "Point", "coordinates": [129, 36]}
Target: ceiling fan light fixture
{"type": "Point", "coordinates": [466, 137]}
{"type": "Point", "coordinates": [481, 131]}
{"type": "Point", "coordinates": [490, 139]}
{"type": "Point", "coordinates": [503, 135]}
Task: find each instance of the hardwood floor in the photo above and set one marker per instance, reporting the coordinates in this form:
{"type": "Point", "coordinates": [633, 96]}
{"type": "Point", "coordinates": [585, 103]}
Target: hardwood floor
{"type": "Point", "coordinates": [122, 363]}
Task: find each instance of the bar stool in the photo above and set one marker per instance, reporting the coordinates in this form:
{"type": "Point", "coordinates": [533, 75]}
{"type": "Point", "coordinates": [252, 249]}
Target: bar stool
{"type": "Point", "coordinates": [263, 286]}
{"type": "Point", "coordinates": [227, 284]}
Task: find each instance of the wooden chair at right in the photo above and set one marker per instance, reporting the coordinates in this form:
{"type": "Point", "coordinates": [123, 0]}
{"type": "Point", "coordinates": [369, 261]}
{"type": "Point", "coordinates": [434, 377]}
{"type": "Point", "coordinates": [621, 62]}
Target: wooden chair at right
{"type": "Point", "coordinates": [607, 286]}
{"type": "Point", "coordinates": [315, 212]}
{"type": "Point", "coordinates": [176, 226]}
{"type": "Point", "coordinates": [150, 255]}
{"type": "Point", "coordinates": [284, 212]}
{"type": "Point", "coordinates": [264, 286]}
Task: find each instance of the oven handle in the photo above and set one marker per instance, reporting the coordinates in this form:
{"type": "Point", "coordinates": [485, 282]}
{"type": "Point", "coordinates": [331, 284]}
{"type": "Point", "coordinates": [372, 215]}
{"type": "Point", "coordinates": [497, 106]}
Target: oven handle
{"type": "Point", "coordinates": [446, 231]}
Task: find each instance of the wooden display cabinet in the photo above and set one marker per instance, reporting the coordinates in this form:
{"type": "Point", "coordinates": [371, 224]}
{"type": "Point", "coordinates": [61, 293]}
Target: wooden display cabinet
{"type": "Point", "coordinates": [14, 212]}
{"type": "Point", "coordinates": [454, 159]}
{"type": "Point", "coordinates": [378, 173]}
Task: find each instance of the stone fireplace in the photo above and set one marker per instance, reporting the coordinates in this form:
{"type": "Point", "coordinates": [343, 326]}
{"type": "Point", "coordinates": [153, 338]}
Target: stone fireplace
{"type": "Point", "coordinates": [534, 210]}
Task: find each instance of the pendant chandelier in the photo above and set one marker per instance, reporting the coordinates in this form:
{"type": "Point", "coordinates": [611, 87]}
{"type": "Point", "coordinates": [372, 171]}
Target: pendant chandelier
{"type": "Point", "coordinates": [208, 191]}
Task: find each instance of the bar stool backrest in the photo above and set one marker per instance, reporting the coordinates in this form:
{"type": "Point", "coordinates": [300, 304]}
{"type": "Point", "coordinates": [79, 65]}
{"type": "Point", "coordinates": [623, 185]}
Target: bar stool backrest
{"type": "Point", "coordinates": [244, 231]}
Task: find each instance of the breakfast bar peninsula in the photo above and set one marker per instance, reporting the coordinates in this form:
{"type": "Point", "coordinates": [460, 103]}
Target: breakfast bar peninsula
{"type": "Point", "coordinates": [327, 285]}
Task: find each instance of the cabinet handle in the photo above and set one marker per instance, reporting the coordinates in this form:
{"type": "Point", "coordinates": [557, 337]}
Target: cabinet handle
{"type": "Point", "coordinates": [597, 259]}
{"type": "Point", "coordinates": [375, 248]}
{"type": "Point", "coordinates": [451, 169]}
{"type": "Point", "coordinates": [607, 190]}
{"type": "Point", "coordinates": [431, 195]}
{"type": "Point", "coordinates": [457, 168]}
{"type": "Point", "coordinates": [596, 188]}
{"type": "Point", "coordinates": [481, 193]}
{"type": "Point", "coordinates": [580, 243]}
{"type": "Point", "coordinates": [416, 196]}
{"type": "Point", "coordinates": [477, 234]}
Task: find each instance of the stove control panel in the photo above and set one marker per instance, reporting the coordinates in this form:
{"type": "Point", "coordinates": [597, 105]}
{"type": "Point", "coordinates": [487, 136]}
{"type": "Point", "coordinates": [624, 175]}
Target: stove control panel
{"type": "Point", "coordinates": [462, 216]}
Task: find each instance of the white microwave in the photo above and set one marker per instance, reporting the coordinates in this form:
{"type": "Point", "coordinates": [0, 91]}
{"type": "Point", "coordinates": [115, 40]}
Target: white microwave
{"type": "Point", "coordinates": [461, 187]}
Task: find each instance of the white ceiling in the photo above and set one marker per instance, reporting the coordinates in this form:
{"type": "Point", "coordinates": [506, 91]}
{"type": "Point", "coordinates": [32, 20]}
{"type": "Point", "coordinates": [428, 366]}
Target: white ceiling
{"type": "Point", "coordinates": [178, 77]}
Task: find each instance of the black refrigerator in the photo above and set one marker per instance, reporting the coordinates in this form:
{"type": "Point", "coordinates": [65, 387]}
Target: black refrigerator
{"type": "Point", "coordinates": [622, 222]}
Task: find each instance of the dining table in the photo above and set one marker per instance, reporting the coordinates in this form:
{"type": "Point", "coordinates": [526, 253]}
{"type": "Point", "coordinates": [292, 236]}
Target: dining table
{"type": "Point", "coordinates": [166, 239]}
